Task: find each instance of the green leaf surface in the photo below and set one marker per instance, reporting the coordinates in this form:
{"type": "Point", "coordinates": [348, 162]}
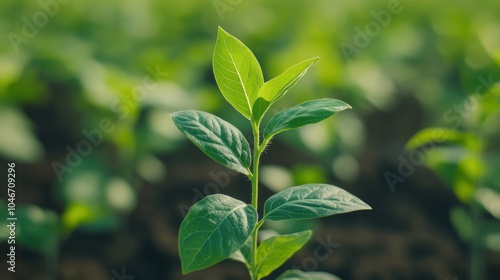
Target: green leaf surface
{"type": "Point", "coordinates": [303, 114]}
{"type": "Point", "coordinates": [214, 228]}
{"type": "Point", "coordinates": [311, 201]}
{"type": "Point", "coordinates": [295, 274]}
{"type": "Point", "coordinates": [217, 138]}
{"type": "Point", "coordinates": [237, 72]}
{"type": "Point", "coordinates": [274, 251]}
{"type": "Point", "coordinates": [276, 88]}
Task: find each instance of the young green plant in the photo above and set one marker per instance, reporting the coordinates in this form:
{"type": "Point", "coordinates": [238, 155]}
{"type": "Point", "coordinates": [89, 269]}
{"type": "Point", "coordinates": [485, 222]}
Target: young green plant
{"type": "Point", "coordinates": [220, 227]}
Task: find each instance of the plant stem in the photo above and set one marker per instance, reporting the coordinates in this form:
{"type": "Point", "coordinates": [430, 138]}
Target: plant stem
{"type": "Point", "coordinates": [255, 171]}
{"type": "Point", "coordinates": [255, 196]}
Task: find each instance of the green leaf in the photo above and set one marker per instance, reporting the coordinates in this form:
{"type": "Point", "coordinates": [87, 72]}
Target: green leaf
{"type": "Point", "coordinates": [244, 253]}
{"type": "Point", "coordinates": [274, 251]}
{"type": "Point", "coordinates": [491, 235]}
{"type": "Point", "coordinates": [461, 220]}
{"type": "Point", "coordinates": [434, 136]}
{"type": "Point", "coordinates": [311, 201]}
{"type": "Point", "coordinates": [295, 274]}
{"type": "Point", "coordinates": [214, 228]}
{"type": "Point", "coordinates": [237, 72]}
{"type": "Point", "coordinates": [276, 88]}
{"type": "Point", "coordinates": [303, 114]}
{"type": "Point", "coordinates": [217, 138]}
{"type": "Point", "coordinates": [37, 229]}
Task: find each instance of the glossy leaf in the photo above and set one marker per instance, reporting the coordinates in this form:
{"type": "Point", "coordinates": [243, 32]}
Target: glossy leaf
{"type": "Point", "coordinates": [274, 251]}
{"type": "Point", "coordinates": [311, 201]}
{"type": "Point", "coordinates": [214, 228]}
{"type": "Point", "coordinates": [237, 72]}
{"type": "Point", "coordinates": [303, 114]}
{"type": "Point", "coordinates": [217, 138]}
{"type": "Point", "coordinates": [276, 88]}
{"type": "Point", "coordinates": [295, 274]}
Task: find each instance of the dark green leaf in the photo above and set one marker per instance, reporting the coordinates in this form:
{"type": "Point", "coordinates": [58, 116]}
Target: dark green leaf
{"type": "Point", "coordinates": [303, 114]}
{"type": "Point", "coordinates": [237, 72]}
{"type": "Point", "coordinates": [244, 253]}
{"type": "Point", "coordinates": [214, 228]}
{"type": "Point", "coordinates": [217, 138]}
{"type": "Point", "coordinates": [311, 201]}
{"type": "Point", "coordinates": [274, 251]}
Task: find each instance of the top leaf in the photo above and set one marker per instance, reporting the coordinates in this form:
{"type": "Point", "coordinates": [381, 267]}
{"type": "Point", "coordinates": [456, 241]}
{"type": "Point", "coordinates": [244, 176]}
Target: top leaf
{"type": "Point", "coordinates": [276, 88]}
{"type": "Point", "coordinates": [237, 72]}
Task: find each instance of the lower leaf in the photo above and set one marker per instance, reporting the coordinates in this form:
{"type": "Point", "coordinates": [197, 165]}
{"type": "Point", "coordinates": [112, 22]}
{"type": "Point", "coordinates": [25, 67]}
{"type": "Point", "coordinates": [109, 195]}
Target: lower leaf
{"type": "Point", "coordinates": [274, 251]}
{"type": "Point", "coordinates": [214, 228]}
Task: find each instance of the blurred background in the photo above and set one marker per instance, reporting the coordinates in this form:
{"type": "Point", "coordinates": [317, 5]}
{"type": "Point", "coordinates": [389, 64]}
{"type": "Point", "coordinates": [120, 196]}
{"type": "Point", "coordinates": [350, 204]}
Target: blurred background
{"type": "Point", "coordinates": [103, 177]}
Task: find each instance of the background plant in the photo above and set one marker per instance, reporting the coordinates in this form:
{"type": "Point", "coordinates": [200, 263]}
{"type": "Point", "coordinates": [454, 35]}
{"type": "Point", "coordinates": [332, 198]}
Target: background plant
{"type": "Point", "coordinates": [219, 226]}
{"type": "Point", "coordinates": [467, 158]}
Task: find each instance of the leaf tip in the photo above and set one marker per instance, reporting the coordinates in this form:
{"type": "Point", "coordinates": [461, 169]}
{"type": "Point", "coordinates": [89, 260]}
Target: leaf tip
{"type": "Point", "coordinates": [221, 30]}
{"type": "Point", "coordinates": [366, 206]}
{"type": "Point", "coordinates": [344, 106]}
{"type": "Point", "coordinates": [186, 270]}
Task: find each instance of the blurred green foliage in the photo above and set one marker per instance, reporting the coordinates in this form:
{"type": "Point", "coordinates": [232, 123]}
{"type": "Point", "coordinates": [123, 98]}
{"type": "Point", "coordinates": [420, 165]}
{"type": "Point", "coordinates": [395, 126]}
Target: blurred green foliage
{"type": "Point", "coordinates": [467, 158]}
